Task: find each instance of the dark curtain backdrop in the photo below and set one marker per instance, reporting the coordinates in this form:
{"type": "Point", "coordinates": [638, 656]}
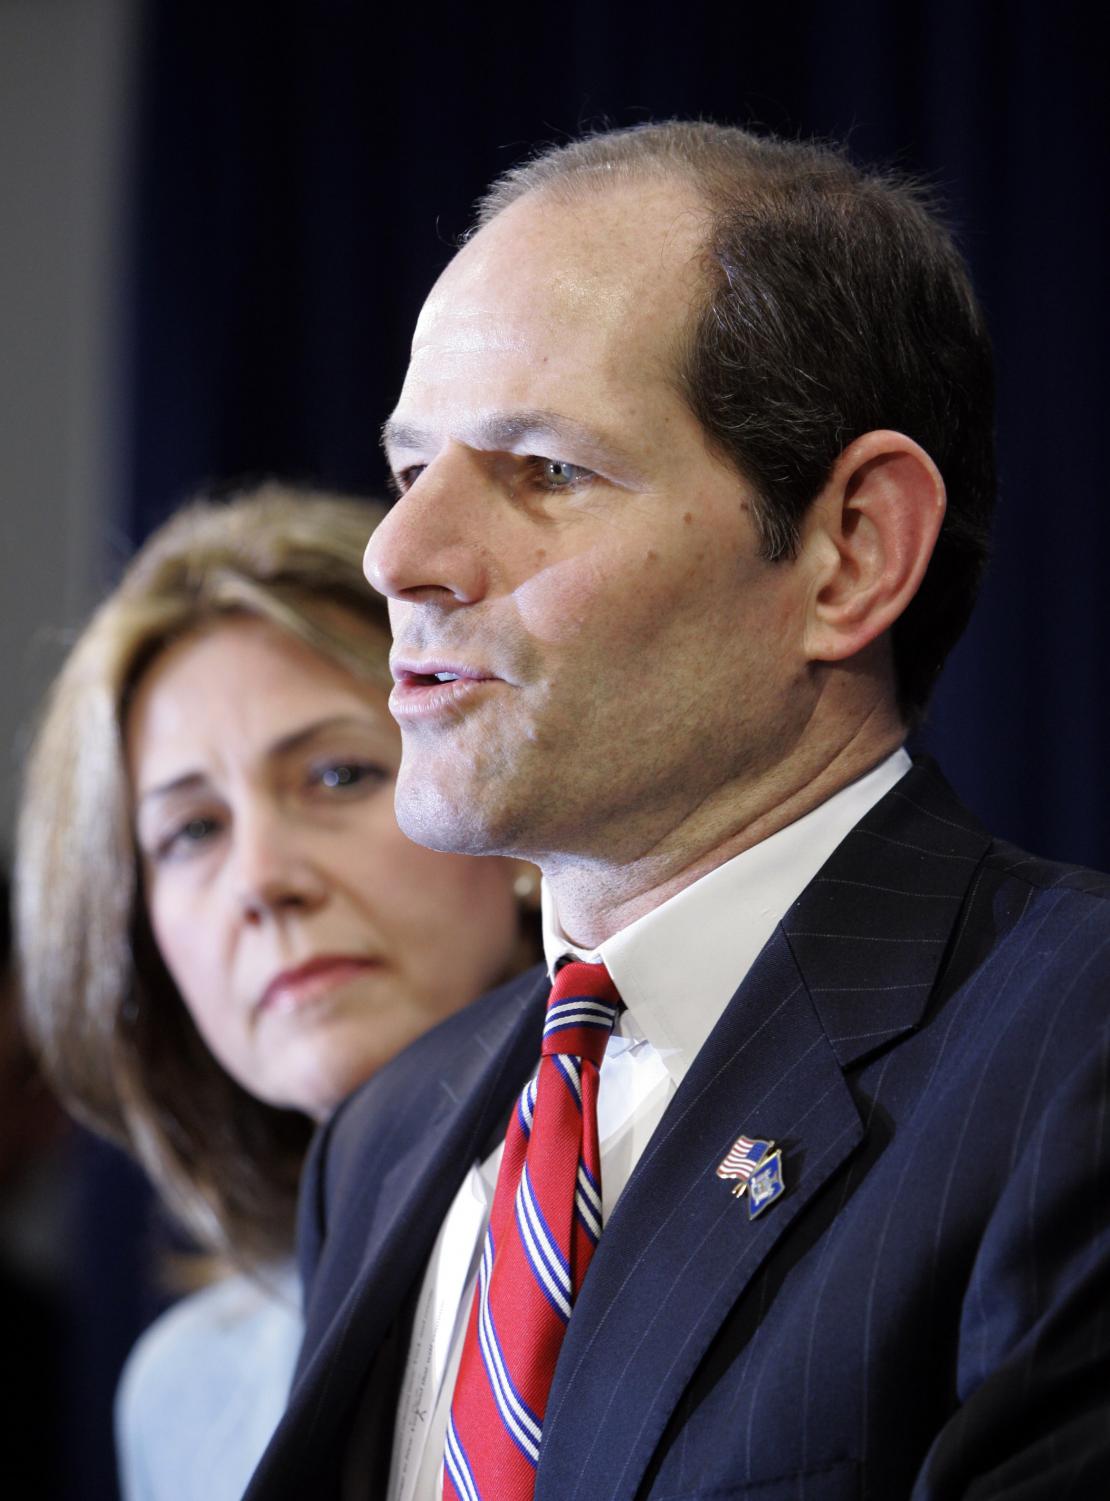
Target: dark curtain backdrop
{"type": "Point", "coordinates": [301, 171]}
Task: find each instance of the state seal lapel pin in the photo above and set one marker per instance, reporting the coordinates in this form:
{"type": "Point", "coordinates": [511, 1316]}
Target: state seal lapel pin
{"type": "Point", "coordinates": [765, 1184]}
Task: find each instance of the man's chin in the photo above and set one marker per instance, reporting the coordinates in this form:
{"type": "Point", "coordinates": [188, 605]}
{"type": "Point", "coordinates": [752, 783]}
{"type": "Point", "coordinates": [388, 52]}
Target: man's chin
{"type": "Point", "coordinates": [442, 819]}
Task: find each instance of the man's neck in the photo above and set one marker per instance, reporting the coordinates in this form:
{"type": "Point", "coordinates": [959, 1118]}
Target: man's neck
{"type": "Point", "coordinates": [596, 898]}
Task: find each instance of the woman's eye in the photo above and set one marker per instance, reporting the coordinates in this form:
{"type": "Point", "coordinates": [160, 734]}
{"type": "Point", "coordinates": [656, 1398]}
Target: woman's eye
{"type": "Point", "coordinates": [557, 474]}
{"type": "Point", "coordinates": [340, 776]}
{"type": "Point", "coordinates": [187, 837]}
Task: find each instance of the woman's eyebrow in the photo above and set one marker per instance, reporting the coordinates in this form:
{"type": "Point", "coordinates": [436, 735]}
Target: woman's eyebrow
{"type": "Point", "coordinates": [188, 781]}
{"type": "Point", "coordinates": [183, 783]}
{"type": "Point", "coordinates": [296, 739]}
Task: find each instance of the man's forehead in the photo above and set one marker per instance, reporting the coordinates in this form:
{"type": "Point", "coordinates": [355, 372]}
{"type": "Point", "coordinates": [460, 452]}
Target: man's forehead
{"type": "Point", "coordinates": [601, 251]}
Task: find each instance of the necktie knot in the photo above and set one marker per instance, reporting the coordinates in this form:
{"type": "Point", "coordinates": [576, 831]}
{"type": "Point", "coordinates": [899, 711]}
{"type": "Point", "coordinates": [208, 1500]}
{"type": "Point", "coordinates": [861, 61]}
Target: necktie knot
{"type": "Point", "coordinates": [580, 1012]}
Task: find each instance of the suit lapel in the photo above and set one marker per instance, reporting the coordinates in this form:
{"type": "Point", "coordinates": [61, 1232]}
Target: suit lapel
{"type": "Point", "coordinates": [369, 1271]}
{"type": "Point", "coordinates": [679, 1249]}
{"type": "Point", "coordinates": [849, 970]}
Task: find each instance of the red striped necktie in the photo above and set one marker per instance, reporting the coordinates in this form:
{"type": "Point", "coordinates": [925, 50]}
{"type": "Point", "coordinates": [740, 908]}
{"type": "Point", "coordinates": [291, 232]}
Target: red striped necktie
{"type": "Point", "coordinates": [543, 1228]}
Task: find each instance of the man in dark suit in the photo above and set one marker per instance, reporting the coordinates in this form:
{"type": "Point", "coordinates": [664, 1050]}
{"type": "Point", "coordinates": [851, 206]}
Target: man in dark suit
{"type": "Point", "coordinates": [695, 468]}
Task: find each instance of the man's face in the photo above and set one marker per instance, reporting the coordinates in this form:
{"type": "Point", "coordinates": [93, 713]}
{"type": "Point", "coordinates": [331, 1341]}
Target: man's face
{"type": "Point", "coordinates": [570, 550]}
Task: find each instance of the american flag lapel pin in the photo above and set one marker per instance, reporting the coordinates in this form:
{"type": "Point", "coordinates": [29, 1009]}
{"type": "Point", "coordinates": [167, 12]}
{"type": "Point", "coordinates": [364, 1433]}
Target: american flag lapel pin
{"type": "Point", "coordinates": [742, 1160]}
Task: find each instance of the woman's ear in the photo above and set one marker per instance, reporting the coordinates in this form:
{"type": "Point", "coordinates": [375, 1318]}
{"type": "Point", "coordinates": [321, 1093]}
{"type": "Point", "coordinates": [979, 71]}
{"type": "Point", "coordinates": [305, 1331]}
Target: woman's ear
{"type": "Point", "coordinates": [868, 537]}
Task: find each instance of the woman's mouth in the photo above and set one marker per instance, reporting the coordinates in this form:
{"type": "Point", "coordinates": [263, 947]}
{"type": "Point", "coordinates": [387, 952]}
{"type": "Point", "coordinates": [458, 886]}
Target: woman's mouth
{"type": "Point", "coordinates": [293, 989]}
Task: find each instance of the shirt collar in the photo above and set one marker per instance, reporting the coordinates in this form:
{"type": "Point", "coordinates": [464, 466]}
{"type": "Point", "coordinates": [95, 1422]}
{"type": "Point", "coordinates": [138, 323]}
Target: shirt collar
{"type": "Point", "coordinates": [678, 966]}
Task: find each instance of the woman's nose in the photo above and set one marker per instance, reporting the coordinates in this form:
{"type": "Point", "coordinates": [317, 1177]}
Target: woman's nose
{"type": "Point", "coordinates": [274, 871]}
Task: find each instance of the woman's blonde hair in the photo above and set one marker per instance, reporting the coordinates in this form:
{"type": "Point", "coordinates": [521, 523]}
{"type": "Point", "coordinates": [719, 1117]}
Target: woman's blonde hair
{"type": "Point", "coordinates": [112, 1032]}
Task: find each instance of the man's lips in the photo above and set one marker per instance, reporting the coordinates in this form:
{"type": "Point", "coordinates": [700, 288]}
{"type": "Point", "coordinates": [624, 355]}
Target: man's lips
{"type": "Point", "coordinates": [432, 670]}
{"type": "Point", "coordinates": [297, 987]}
{"type": "Point", "coordinates": [429, 688]}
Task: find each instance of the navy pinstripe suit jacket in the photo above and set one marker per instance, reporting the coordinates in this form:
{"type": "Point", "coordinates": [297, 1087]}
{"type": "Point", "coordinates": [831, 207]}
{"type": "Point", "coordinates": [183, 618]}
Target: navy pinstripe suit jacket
{"type": "Point", "coordinates": [925, 1312]}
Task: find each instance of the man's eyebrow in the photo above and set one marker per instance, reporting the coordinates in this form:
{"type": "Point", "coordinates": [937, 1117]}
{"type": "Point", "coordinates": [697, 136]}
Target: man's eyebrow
{"type": "Point", "coordinates": [504, 431]}
{"type": "Point", "coordinates": [402, 435]}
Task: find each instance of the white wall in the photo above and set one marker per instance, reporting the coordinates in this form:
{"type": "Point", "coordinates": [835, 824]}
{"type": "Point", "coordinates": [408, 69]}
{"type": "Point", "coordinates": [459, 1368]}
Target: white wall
{"type": "Point", "coordinates": [65, 95]}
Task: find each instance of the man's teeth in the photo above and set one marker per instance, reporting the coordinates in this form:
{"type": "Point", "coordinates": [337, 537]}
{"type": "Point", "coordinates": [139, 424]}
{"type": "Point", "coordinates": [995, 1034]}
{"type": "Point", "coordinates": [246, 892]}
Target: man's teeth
{"type": "Point", "coordinates": [446, 677]}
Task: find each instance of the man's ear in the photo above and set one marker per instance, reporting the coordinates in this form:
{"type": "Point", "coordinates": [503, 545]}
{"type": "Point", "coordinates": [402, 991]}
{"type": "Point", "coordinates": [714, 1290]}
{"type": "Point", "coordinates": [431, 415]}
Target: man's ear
{"type": "Point", "coordinates": [868, 538]}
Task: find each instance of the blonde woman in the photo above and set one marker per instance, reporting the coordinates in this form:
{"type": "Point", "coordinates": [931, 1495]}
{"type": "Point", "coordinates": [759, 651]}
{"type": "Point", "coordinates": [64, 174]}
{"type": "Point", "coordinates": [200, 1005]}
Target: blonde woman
{"type": "Point", "coordinates": [223, 931]}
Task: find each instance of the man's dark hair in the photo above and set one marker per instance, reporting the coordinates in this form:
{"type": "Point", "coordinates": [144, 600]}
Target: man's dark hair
{"type": "Point", "coordinates": [837, 303]}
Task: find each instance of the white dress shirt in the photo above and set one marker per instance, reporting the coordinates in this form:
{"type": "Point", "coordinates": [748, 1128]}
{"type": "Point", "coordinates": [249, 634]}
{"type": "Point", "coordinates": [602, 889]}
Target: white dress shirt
{"type": "Point", "coordinates": [676, 969]}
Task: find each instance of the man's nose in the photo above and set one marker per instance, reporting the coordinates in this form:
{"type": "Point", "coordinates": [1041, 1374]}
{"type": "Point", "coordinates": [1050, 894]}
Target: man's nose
{"type": "Point", "coordinates": [274, 871]}
{"type": "Point", "coordinates": [431, 546]}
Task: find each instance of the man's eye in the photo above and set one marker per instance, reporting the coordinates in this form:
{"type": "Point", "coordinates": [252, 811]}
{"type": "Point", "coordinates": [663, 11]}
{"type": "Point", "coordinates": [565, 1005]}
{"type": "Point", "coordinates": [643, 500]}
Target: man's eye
{"type": "Point", "coordinates": [557, 474]}
{"type": "Point", "coordinates": [401, 480]}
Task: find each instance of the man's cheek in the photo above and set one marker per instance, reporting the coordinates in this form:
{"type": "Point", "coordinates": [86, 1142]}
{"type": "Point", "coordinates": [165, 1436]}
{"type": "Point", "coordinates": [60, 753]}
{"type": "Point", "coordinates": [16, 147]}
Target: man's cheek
{"type": "Point", "coordinates": [558, 598]}
{"type": "Point", "coordinates": [591, 595]}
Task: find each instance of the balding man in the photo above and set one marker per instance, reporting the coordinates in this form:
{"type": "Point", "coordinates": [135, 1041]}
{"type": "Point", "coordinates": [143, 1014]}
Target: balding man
{"type": "Point", "coordinates": [694, 461]}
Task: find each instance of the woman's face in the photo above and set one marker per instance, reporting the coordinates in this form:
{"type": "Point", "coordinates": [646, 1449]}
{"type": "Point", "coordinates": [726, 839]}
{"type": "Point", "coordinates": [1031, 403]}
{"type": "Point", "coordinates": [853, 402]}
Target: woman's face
{"type": "Point", "coordinates": [310, 940]}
